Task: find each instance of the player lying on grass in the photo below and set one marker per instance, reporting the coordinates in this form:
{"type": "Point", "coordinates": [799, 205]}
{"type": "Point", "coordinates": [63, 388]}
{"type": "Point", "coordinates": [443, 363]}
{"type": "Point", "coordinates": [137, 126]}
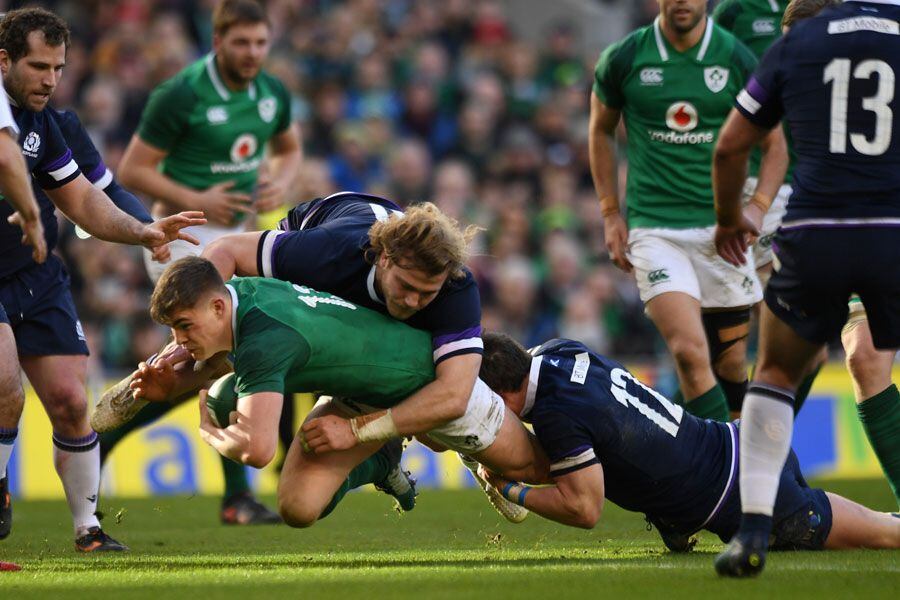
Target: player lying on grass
{"type": "Point", "coordinates": [289, 338]}
{"type": "Point", "coordinates": [358, 247]}
{"type": "Point", "coordinates": [610, 436]}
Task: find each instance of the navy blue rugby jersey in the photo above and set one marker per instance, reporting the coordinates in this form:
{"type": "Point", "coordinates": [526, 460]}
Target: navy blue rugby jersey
{"type": "Point", "coordinates": [52, 165]}
{"type": "Point", "coordinates": [83, 154]}
{"type": "Point", "coordinates": [326, 250]}
{"type": "Point", "coordinates": [833, 79]}
{"type": "Point", "coordinates": [657, 458]}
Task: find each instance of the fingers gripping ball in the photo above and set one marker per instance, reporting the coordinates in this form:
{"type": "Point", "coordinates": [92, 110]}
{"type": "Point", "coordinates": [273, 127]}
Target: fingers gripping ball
{"type": "Point", "coordinates": [221, 400]}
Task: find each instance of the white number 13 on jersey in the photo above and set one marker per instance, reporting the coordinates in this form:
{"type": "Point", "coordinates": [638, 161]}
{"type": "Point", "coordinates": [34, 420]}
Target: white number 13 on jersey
{"type": "Point", "coordinates": [838, 71]}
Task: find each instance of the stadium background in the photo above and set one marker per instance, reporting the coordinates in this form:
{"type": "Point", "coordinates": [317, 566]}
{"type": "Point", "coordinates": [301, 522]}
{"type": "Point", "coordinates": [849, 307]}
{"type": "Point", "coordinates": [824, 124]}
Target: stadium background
{"type": "Point", "coordinates": [478, 106]}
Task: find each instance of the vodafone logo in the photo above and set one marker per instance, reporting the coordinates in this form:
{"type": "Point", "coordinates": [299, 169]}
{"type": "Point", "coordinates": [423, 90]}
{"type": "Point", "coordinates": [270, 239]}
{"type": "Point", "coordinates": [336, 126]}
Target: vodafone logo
{"type": "Point", "coordinates": [243, 147]}
{"type": "Point", "coordinates": [681, 116]}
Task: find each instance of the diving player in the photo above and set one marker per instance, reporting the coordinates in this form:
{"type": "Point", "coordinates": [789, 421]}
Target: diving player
{"type": "Point", "coordinates": [832, 78]}
{"type": "Point", "coordinates": [290, 338]}
{"type": "Point", "coordinates": [610, 436]}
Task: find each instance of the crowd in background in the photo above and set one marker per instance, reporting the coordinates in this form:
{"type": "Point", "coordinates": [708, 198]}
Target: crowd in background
{"type": "Point", "coordinates": [438, 100]}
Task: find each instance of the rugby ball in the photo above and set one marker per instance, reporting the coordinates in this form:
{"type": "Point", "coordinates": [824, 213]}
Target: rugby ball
{"type": "Point", "coordinates": [221, 400]}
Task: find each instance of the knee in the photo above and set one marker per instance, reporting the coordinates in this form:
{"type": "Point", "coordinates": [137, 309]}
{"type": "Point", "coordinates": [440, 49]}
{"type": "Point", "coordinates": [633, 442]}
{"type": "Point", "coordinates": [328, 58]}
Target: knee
{"type": "Point", "coordinates": [65, 404]}
{"type": "Point", "coordinates": [864, 364]}
{"type": "Point", "coordinates": [295, 513]}
{"type": "Point", "coordinates": [690, 353]}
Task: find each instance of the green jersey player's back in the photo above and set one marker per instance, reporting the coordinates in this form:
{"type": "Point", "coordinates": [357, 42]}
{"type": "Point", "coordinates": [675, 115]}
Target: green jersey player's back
{"type": "Point", "coordinates": [211, 133]}
{"type": "Point", "coordinates": [673, 104]}
{"type": "Point", "coordinates": [290, 338]}
{"type": "Point", "coordinates": [757, 23]}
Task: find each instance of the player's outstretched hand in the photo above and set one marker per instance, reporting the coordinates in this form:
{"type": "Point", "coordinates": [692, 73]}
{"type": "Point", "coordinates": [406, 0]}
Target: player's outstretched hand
{"type": "Point", "coordinates": [616, 233]}
{"type": "Point", "coordinates": [32, 235]}
{"type": "Point", "coordinates": [170, 228]}
{"type": "Point", "coordinates": [328, 434]}
{"type": "Point", "coordinates": [732, 242]}
{"type": "Point", "coordinates": [155, 382]}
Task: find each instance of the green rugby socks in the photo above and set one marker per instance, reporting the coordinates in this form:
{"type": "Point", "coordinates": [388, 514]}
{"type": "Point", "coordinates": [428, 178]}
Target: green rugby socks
{"type": "Point", "coordinates": [880, 417]}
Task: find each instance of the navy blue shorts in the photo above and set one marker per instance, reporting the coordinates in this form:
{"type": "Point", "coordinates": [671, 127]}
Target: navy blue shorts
{"type": "Point", "coordinates": [40, 308]}
{"type": "Point", "coordinates": [801, 517]}
{"type": "Point", "coordinates": [816, 271]}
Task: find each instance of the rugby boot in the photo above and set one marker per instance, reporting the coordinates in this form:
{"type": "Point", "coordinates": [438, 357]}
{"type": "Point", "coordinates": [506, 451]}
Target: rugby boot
{"type": "Point", "coordinates": [96, 540]}
{"type": "Point", "coordinates": [510, 511]}
{"type": "Point", "coordinates": [398, 483]}
{"type": "Point", "coordinates": [745, 555]}
{"type": "Point", "coordinates": [5, 508]}
{"type": "Point", "coordinates": [243, 509]}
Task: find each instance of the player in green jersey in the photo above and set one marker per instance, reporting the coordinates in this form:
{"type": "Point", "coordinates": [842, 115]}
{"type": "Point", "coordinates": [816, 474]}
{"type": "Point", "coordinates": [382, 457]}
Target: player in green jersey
{"type": "Point", "coordinates": [202, 136]}
{"type": "Point", "coordinates": [673, 83]}
{"type": "Point", "coordinates": [200, 144]}
{"type": "Point", "coordinates": [288, 338]}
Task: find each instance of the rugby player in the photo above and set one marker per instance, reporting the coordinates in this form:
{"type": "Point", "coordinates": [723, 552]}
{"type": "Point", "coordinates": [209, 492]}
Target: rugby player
{"type": "Point", "coordinates": [200, 145]}
{"type": "Point", "coordinates": [673, 84]}
{"type": "Point", "coordinates": [39, 306]}
{"type": "Point", "coordinates": [289, 338]}
{"type": "Point", "coordinates": [832, 79]}
{"type": "Point", "coordinates": [355, 246]}
{"type": "Point", "coordinates": [610, 436]}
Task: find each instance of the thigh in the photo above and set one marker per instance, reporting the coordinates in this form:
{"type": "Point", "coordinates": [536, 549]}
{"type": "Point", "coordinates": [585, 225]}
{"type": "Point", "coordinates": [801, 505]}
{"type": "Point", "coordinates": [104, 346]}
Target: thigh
{"type": "Point", "coordinates": [480, 426]}
{"type": "Point", "coordinates": [785, 358]}
{"type": "Point", "coordinates": [677, 316]}
{"type": "Point", "coordinates": [312, 479]}
{"type": "Point", "coordinates": [10, 382]}
{"type": "Point", "coordinates": [48, 322]}
{"type": "Point", "coordinates": [661, 264]}
{"type": "Point", "coordinates": [516, 453]}
{"type": "Point", "coordinates": [57, 377]}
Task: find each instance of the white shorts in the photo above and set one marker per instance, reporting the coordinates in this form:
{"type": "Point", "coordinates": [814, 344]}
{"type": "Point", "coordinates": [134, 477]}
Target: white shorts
{"type": "Point", "coordinates": [469, 434]}
{"type": "Point", "coordinates": [762, 249]}
{"type": "Point", "coordinates": [206, 234]}
{"type": "Point", "coordinates": [685, 260]}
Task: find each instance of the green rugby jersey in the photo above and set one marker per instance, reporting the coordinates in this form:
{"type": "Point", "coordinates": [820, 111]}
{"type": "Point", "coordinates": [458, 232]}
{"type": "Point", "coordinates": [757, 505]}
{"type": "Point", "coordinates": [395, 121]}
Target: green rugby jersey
{"type": "Point", "coordinates": [757, 23]}
{"type": "Point", "coordinates": [211, 133]}
{"type": "Point", "coordinates": [673, 104]}
{"type": "Point", "coordinates": [290, 338]}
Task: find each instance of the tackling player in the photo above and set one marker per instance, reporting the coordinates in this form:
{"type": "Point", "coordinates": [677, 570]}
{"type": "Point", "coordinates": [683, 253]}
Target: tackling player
{"type": "Point", "coordinates": [39, 305]}
{"type": "Point", "coordinates": [673, 84]}
{"type": "Point", "coordinates": [605, 433]}
{"type": "Point", "coordinates": [290, 338]}
{"type": "Point", "coordinates": [832, 79]}
{"type": "Point", "coordinates": [200, 145]}
{"type": "Point", "coordinates": [410, 268]}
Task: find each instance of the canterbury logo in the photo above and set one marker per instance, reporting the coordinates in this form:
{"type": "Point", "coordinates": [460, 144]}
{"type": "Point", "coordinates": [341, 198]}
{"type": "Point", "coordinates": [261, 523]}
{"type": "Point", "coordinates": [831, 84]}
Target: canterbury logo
{"type": "Point", "coordinates": [657, 276]}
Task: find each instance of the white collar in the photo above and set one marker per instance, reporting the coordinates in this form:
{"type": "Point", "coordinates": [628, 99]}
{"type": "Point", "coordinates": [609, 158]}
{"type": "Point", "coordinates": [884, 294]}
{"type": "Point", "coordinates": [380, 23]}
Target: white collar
{"type": "Point", "coordinates": [531, 390]}
{"type": "Point", "coordinates": [234, 308]}
{"type": "Point", "coordinates": [217, 82]}
{"type": "Point", "coordinates": [661, 44]}
{"type": "Point", "coordinates": [370, 284]}
{"type": "Point", "coordinates": [894, 2]}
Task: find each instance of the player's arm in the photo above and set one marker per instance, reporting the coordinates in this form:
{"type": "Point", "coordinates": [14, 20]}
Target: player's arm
{"type": "Point", "coordinates": [236, 254]}
{"type": "Point", "coordinates": [90, 208]}
{"type": "Point", "coordinates": [772, 169]}
{"type": "Point", "coordinates": [15, 183]}
{"type": "Point", "coordinates": [252, 436]}
{"type": "Point", "coordinates": [602, 155]}
{"type": "Point", "coordinates": [283, 164]}
{"type": "Point", "coordinates": [575, 498]}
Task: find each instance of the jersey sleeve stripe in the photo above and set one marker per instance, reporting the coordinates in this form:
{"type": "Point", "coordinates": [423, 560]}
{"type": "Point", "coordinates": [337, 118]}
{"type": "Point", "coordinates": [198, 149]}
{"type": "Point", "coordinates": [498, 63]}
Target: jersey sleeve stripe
{"type": "Point", "coordinates": [473, 344]}
{"type": "Point", "coordinates": [440, 340]}
{"type": "Point", "coordinates": [104, 180]}
{"type": "Point", "coordinates": [572, 463]}
{"type": "Point", "coordinates": [264, 257]}
{"type": "Point", "coordinates": [746, 101]}
{"type": "Point", "coordinates": [66, 170]}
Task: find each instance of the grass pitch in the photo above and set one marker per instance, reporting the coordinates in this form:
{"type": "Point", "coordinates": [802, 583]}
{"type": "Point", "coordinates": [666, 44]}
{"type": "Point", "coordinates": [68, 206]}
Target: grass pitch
{"type": "Point", "coordinates": [451, 546]}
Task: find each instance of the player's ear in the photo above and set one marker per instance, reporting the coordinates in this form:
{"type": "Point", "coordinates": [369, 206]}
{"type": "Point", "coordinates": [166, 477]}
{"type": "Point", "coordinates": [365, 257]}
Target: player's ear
{"type": "Point", "coordinates": [4, 60]}
{"type": "Point", "coordinates": [217, 303]}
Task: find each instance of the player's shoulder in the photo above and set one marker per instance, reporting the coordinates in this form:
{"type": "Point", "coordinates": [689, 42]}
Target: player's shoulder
{"type": "Point", "coordinates": [269, 82]}
{"type": "Point", "coordinates": [183, 86]}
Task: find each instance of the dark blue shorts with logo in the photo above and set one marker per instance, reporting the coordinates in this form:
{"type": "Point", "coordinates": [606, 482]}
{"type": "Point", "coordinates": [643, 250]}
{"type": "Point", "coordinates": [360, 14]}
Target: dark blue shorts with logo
{"type": "Point", "coordinates": [817, 269]}
{"type": "Point", "coordinates": [38, 305]}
